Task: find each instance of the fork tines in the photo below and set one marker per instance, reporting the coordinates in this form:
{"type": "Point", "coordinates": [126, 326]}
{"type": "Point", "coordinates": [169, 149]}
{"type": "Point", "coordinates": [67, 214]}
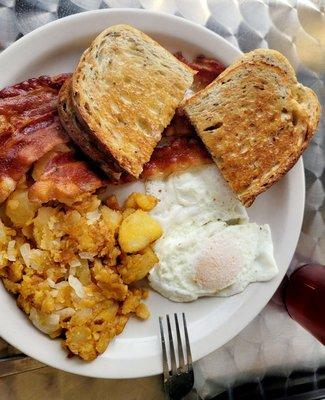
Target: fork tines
{"type": "Point", "coordinates": [182, 365]}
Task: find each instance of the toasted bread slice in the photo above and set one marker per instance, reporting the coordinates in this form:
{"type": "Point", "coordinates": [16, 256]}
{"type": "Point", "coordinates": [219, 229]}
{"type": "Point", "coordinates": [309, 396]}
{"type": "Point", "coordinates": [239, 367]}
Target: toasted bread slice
{"type": "Point", "coordinates": [256, 120]}
{"type": "Point", "coordinates": [79, 134]}
{"type": "Point", "coordinates": [125, 89]}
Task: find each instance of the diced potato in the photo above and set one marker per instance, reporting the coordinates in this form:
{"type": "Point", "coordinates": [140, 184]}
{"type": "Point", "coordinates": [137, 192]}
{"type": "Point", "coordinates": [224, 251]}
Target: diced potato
{"type": "Point", "coordinates": [20, 209]}
{"type": "Point", "coordinates": [112, 257]}
{"type": "Point", "coordinates": [103, 340]}
{"type": "Point", "coordinates": [110, 282]}
{"type": "Point", "coordinates": [131, 303]}
{"type": "Point", "coordinates": [107, 315]}
{"type": "Point", "coordinates": [15, 271]}
{"type": "Point", "coordinates": [127, 212]}
{"type": "Point", "coordinates": [12, 287]}
{"type": "Point", "coordinates": [3, 259]}
{"type": "Point", "coordinates": [140, 200]}
{"type": "Point", "coordinates": [48, 305]}
{"type": "Point", "coordinates": [43, 234]}
{"type": "Point", "coordinates": [121, 320]}
{"type": "Point", "coordinates": [89, 204]}
{"type": "Point", "coordinates": [3, 233]}
{"type": "Point", "coordinates": [38, 259]}
{"type": "Point", "coordinates": [142, 311]}
{"type": "Point", "coordinates": [145, 293]}
{"type": "Point", "coordinates": [137, 231]}
{"type": "Point", "coordinates": [111, 218]}
{"type": "Point", "coordinates": [130, 202]}
{"type": "Point", "coordinates": [79, 340]}
{"type": "Point", "coordinates": [136, 266]}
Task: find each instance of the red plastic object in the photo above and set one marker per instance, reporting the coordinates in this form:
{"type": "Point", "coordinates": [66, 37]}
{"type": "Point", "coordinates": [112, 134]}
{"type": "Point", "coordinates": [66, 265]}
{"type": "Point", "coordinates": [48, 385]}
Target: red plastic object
{"type": "Point", "coordinates": [304, 298]}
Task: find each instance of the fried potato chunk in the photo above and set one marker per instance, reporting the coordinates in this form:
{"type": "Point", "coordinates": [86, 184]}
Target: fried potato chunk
{"type": "Point", "coordinates": [109, 281]}
{"type": "Point", "coordinates": [136, 266]}
{"type": "Point", "coordinates": [142, 311]}
{"type": "Point", "coordinates": [112, 218]}
{"type": "Point", "coordinates": [132, 304]}
{"type": "Point", "coordinates": [137, 231]}
{"type": "Point", "coordinates": [20, 209]}
{"type": "Point", "coordinates": [143, 201]}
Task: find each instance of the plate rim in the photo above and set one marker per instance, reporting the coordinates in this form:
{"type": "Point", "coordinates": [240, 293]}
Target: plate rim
{"type": "Point", "coordinates": [211, 343]}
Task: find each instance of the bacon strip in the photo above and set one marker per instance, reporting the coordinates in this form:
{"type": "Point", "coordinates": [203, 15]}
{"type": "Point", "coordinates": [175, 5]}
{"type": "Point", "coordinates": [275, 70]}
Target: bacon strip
{"type": "Point", "coordinates": [29, 127]}
{"type": "Point", "coordinates": [208, 69]}
{"type": "Point", "coordinates": [63, 176]}
{"type": "Point", "coordinates": [179, 125]}
{"type": "Point", "coordinates": [176, 155]}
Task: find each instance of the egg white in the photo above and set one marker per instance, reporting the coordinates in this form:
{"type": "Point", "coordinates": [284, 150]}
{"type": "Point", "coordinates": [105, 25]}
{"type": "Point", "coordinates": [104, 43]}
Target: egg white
{"type": "Point", "coordinates": [197, 206]}
{"type": "Point", "coordinates": [197, 196]}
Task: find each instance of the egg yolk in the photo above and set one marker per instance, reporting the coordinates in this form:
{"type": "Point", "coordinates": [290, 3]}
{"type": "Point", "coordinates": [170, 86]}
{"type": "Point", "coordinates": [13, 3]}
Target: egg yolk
{"type": "Point", "coordinates": [219, 264]}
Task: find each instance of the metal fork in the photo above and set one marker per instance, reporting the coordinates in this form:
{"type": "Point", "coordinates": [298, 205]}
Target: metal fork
{"type": "Point", "coordinates": [178, 382]}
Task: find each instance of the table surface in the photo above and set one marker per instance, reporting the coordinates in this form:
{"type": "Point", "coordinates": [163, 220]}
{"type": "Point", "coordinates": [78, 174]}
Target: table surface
{"type": "Point", "coordinates": [272, 342]}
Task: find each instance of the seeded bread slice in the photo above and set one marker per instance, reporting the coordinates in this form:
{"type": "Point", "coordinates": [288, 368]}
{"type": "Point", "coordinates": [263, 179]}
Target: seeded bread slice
{"type": "Point", "coordinates": [256, 120]}
{"type": "Point", "coordinates": [125, 90]}
{"type": "Point", "coordinates": [79, 134]}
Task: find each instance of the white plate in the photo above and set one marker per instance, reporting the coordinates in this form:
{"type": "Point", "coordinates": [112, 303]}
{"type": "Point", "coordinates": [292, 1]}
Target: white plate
{"type": "Point", "coordinates": [55, 48]}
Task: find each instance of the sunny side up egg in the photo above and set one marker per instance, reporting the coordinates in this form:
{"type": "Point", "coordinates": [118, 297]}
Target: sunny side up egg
{"type": "Point", "coordinates": [208, 248]}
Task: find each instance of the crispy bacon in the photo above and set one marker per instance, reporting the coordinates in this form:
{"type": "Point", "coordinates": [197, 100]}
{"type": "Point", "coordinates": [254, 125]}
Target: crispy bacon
{"type": "Point", "coordinates": [29, 127]}
{"type": "Point", "coordinates": [208, 69]}
{"type": "Point", "coordinates": [54, 82]}
{"type": "Point", "coordinates": [176, 155]}
{"type": "Point", "coordinates": [179, 125]}
{"type": "Point", "coordinates": [62, 175]}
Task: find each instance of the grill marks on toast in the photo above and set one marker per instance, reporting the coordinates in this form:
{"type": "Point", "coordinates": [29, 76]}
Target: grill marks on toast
{"type": "Point", "coordinates": [256, 120]}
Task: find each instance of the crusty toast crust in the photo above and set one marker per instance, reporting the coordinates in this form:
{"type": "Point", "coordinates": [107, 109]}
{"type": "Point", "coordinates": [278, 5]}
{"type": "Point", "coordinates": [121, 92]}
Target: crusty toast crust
{"type": "Point", "coordinates": [80, 136]}
{"type": "Point", "coordinates": [125, 89]}
{"type": "Point", "coordinates": [256, 120]}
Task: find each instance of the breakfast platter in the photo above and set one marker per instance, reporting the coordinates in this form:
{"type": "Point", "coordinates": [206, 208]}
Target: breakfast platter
{"type": "Point", "coordinates": [179, 214]}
